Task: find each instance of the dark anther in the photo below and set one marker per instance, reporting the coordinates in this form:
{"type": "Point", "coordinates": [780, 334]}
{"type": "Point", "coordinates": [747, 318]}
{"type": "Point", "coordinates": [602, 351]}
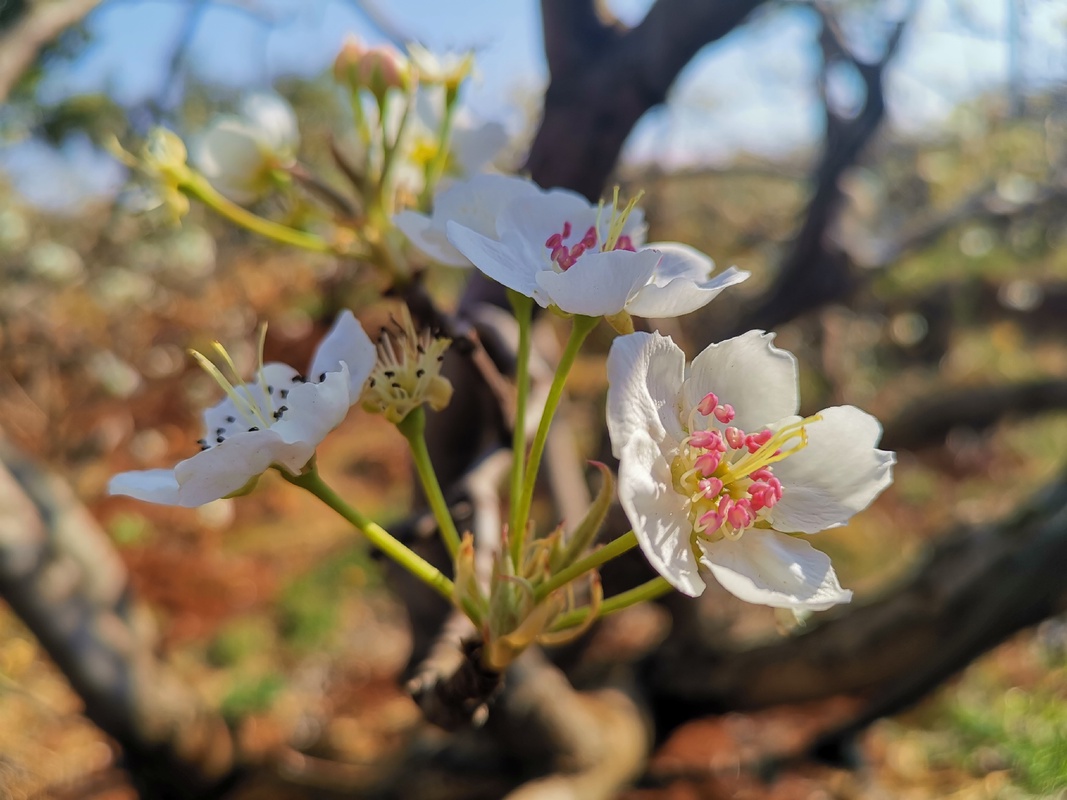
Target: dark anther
{"type": "Point", "coordinates": [253, 428]}
{"type": "Point", "coordinates": [220, 431]}
{"type": "Point", "coordinates": [284, 393]}
{"type": "Point", "coordinates": [322, 377]}
{"type": "Point", "coordinates": [440, 359]}
{"type": "Point", "coordinates": [421, 349]}
{"type": "Point", "coordinates": [205, 447]}
{"type": "Point", "coordinates": [270, 389]}
{"type": "Point", "coordinates": [201, 442]}
{"type": "Point", "coordinates": [371, 384]}
{"type": "Point", "coordinates": [395, 385]}
{"type": "Point", "coordinates": [231, 419]}
{"type": "Point", "coordinates": [283, 409]}
{"type": "Point", "coordinates": [389, 373]}
{"type": "Point", "coordinates": [419, 373]}
{"type": "Point", "coordinates": [219, 440]}
{"type": "Point", "coordinates": [298, 379]}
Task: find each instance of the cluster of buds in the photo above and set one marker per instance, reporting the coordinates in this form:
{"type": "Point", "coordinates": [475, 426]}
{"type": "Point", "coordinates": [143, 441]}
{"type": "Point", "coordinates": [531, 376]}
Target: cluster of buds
{"type": "Point", "coordinates": [379, 68]}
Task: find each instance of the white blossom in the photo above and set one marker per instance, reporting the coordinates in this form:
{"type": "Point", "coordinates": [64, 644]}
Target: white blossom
{"type": "Point", "coordinates": [238, 152]}
{"type": "Point", "coordinates": [717, 473]}
{"type": "Point", "coordinates": [278, 419]}
{"type": "Point", "coordinates": [562, 251]}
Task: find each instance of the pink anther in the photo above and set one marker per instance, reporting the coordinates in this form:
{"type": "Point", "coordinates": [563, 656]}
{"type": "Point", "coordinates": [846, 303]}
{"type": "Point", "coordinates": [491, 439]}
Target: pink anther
{"type": "Point", "coordinates": [724, 413]}
{"type": "Point", "coordinates": [710, 487]}
{"type": "Point", "coordinates": [707, 405]}
{"type": "Point", "coordinates": [625, 243]}
{"type": "Point", "coordinates": [577, 251]}
{"type": "Point", "coordinates": [708, 440]}
{"type": "Point", "coordinates": [589, 240]}
{"type": "Point", "coordinates": [754, 441]}
{"type": "Point", "coordinates": [710, 521]}
{"type": "Point", "coordinates": [566, 230]}
{"type": "Point", "coordinates": [740, 515]}
{"type": "Point", "coordinates": [735, 437]}
{"type": "Point", "coordinates": [762, 474]}
{"type": "Point", "coordinates": [553, 241]}
{"type": "Point", "coordinates": [707, 462]}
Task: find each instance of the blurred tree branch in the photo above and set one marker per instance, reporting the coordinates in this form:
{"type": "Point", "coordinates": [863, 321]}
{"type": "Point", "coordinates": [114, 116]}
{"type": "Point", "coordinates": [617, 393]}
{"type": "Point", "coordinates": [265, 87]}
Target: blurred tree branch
{"type": "Point", "coordinates": [816, 269]}
{"type": "Point", "coordinates": [60, 573]}
{"type": "Point", "coordinates": [41, 24]}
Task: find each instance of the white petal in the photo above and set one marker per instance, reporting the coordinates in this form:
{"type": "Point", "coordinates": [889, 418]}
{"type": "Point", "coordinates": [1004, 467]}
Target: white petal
{"type": "Point", "coordinates": [503, 262]}
{"type": "Point", "coordinates": [599, 283]}
{"type": "Point", "coordinates": [474, 204]}
{"type": "Point", "coordinates": [314, 410]}
{"type": "Point", "coordinates": [657, 513]}
{"type": "Point", "coordinates": [150, 485]}
{"type": "Point", "coordinates": [433, 242]}
{"type": "Point", "coordinates": [231, 157]}
{"type": "Point", "coordinates": [838, 474]}
{"type": "Point", "coordinates": [533, 219]}
{"type": "Point", "coordinates": [227, 467]}
{"type": "Point", "coordinates": [346, 343]}
{"type": "Point", "coordinates": [478, 202]}
{"type": "Point", "coordinates": [749, 373]}
{"type": "Point", "coordinates": [645, 372]}
{"type": "Point", "coordinates": [474, 146]}
{"type": "Point", "coordinates": [773, 569]}
{"type": "Point", "coordinates": [681, 283]}
{"type": "Point", "coordinates": [274, 122]}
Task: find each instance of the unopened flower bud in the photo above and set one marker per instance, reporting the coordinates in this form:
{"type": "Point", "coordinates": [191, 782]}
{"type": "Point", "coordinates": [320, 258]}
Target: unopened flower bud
{"type": "Point", "coordinates": [378, 68]}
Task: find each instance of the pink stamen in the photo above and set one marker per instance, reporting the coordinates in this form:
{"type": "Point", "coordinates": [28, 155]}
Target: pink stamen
{"type": "Point", "coordinates": [577, 250]}
{"type": "Point", "coordinates": [566, 229]}
{"type": "Point", "coordinates": [589, 240]}
{"type": "Point", "coordinates": [707, 463]}
{"type": "Point", "coordinates": [754, 441]}
{"type": "Point", "coordinates": [553, 241]}
{"type": "Point", "coordinates": [735, 437]}
{"type": "Point", "coordinates": [710, 521]}
{"type": "Point", "coordinates": [762, 474]}
{"type": "Point", "coordinates": [708, 440]}
{"type": "Point", "coordinates": [625, 243]}
{"type": "Point", "coordinates": [739, 514]}
{"type": "Point", "coordinates": [724, 413]}
{"type": "Point", "coordinates": [710, 487]}
{"type": "Point", "coordinates": [707, 405]}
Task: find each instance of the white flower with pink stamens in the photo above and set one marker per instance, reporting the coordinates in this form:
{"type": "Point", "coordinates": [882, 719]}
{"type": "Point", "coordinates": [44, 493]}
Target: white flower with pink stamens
{"type": "Point", "coordinates": [588, 259]}
{"type": "Point", "coordinates": [716, 471]}
{"type": "Point", "coordinates": [278, 420]}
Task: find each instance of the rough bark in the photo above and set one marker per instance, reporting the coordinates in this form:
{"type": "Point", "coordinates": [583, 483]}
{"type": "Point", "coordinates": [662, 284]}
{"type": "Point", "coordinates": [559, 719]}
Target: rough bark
{"type": "Point", "coordinates": [61, 575]}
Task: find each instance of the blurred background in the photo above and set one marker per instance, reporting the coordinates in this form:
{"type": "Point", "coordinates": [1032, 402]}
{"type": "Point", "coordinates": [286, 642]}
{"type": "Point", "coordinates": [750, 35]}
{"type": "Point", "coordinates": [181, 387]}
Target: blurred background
{"type": "Point", "coordinates": [916, 154]}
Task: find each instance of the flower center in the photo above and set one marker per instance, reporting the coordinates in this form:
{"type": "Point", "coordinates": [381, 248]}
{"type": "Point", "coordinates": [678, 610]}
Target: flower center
{"type": "Point", "coordinates": [728, 476]}
{"type": "Point", "coordinates": [408, 371]}
{"type": "Point", "coordinates": [253, 403]}
{"type": "Point", "coordinates": [563, 254]}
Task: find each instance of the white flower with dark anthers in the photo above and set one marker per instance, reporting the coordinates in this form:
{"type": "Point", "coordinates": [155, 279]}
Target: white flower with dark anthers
{"type": "Point", "coordinates": [276, 420]}
{"type": "Point", "coordinates": [238, 152]}
{"type": "Point", "coordinates": [558, 249]}
{"type": "Point", "coordinates": [474, 204]}
{"type": "Point", "coordinates": [717, 471]}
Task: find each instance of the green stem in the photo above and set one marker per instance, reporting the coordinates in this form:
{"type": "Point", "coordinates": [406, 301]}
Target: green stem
{"type": "Point", "coordinates": [582, 327]}
{"type": "Point", "coordinates": [444, 136]}
{"type": "Point", "coordinates": [657, 587]}
{"type": "Point", "coordinates": [523, 308]}
{"type": "Point", "coordinates": [611, 550]}
{"type": "Point", "coordinates": [378, 536]}
{"type": "Point", "coordinates": [389, 152]}
{"type": "Point", "coordinates": [413, 426]}
{"type": "Point", "coordinates": [203, 191]}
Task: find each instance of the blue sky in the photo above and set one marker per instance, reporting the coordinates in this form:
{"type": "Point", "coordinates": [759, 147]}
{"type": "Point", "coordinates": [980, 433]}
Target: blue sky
{"type": "Point", "coordinates": [752, 92]}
